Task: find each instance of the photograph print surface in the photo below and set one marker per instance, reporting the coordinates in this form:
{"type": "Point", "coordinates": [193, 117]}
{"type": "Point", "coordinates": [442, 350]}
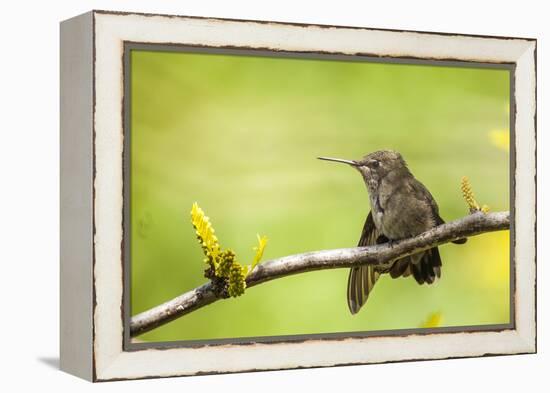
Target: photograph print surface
{"type": "Point", "coordinates": [236, 136]}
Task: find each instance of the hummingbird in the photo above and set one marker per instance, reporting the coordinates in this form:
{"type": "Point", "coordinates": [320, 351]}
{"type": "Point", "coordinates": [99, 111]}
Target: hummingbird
{"type": "Point", "coordinates": [401, 207]}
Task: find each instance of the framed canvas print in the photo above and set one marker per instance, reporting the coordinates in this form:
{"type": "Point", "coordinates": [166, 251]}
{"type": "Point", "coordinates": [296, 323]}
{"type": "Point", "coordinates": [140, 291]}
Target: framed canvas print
{"type": "Point", "coordinates": [244, 195]}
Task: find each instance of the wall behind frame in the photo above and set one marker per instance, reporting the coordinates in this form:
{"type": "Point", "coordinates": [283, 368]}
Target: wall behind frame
{"type": "Point", "coordinates": [76, 193]}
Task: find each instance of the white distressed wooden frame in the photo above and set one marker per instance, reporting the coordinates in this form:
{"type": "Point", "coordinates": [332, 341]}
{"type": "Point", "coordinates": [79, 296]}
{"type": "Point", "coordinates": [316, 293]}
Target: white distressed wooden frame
{"type": "Point", "coordinates": [92, 89]}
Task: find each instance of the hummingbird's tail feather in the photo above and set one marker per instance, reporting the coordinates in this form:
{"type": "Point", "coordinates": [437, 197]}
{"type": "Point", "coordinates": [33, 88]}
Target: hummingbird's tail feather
{"type": "Point", "coordinates": [361, 280]}
{"type": "Point", "coordinates": [400, 267]}
{"type": "Point", "coordinates": [428, 268]}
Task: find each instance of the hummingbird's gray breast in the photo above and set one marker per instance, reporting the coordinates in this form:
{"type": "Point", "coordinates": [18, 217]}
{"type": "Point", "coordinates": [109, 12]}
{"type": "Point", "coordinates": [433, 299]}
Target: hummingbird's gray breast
{"type": "Point", "coordinates": [399, 210]}
{"type": "Point", "coordinates": [377, 212]}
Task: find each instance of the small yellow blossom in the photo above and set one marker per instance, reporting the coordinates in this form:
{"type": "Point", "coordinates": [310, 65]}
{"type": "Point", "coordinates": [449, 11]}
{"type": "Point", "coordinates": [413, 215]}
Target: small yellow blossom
{"type": "Point", "coordinates": [500, 139]}
{"type": "Point", "coordinates": [434, 320]}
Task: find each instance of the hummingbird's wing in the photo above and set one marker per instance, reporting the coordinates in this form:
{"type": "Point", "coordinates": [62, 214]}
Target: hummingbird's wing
{"type": "Point", "coordinates": [361, 279]}
{"type": "Point", "coordinates": [424, 193]}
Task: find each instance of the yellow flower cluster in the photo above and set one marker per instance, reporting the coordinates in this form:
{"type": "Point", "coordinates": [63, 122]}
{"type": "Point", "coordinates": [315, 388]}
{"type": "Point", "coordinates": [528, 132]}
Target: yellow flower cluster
{"type": "Point", "coordinates": [226, 261]}
{"type": "Point", "coordinates": [237, 280]}
{"type": "Point", "coordinates": [223, 264]}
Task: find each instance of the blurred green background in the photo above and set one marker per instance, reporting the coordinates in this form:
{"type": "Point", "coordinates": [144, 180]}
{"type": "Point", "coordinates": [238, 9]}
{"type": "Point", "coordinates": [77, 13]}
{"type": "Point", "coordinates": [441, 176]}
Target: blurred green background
{"type": "Point", "coordinates": [239, 135]}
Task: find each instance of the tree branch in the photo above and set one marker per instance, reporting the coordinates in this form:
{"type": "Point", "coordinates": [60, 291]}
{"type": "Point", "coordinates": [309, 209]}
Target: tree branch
{"type": "Point", "coordinates": [382, 255]}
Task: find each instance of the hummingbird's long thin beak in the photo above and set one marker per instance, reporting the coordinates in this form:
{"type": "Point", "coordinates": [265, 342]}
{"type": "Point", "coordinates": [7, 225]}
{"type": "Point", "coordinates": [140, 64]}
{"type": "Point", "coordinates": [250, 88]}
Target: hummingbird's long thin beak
{"type": "Point", "coordinates": [349, 162]}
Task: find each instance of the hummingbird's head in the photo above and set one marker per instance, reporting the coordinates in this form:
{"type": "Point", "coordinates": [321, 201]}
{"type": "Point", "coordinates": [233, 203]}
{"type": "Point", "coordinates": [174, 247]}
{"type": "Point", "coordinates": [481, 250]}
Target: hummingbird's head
{"type": "Point", "coordinates": [375, 166]}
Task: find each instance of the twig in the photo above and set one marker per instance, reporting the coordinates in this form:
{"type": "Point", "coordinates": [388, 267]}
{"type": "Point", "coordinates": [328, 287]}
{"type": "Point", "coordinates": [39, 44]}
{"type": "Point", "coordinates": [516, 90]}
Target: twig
{"type": "Point", "coordinates": [380, 255]}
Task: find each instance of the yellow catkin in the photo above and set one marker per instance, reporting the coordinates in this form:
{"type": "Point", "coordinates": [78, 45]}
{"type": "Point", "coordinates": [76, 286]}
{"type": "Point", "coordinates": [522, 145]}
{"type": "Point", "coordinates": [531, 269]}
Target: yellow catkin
{"type": "Point", "coordinates": [223, 264]}
{"type": "Point", "coordinates": [237, 280]}
{"type": "Point", "coordinates": [468, 194]}
{"type": "Point", "coordinates": [205, 233]}
{"type": "Point", "coordinates": [227, 259]}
